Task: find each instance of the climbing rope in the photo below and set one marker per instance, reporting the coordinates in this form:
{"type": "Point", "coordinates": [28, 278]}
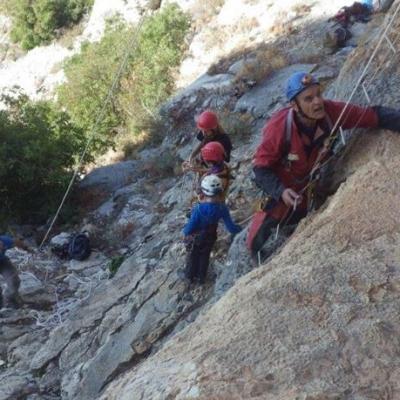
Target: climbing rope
{"type": "Point", "coordinates": [64, 307]}
{"type": "Point", "coordinates": [382, 36]}
{"type": "Point", "coordinates": [131, 45]}
{"type": "Point", "coordinates": [333, 134]}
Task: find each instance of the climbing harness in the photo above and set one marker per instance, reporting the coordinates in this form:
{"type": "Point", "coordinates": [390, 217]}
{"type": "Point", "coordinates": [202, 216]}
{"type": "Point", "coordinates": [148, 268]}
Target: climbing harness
{"type": "Point", "coordinates": [262, 202]}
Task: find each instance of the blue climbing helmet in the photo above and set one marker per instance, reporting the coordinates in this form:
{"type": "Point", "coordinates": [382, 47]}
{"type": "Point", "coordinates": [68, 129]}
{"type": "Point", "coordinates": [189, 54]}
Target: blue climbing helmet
{"type": "Point", "coordinates": [298, 82]}
{"type": "Point", "coordinates": [368, 3]}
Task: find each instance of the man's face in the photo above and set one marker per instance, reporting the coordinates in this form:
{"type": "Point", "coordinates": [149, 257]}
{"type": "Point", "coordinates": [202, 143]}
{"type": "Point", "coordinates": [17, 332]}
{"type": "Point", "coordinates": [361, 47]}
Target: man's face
{"type": "Point", "coordinates": [310, 102]}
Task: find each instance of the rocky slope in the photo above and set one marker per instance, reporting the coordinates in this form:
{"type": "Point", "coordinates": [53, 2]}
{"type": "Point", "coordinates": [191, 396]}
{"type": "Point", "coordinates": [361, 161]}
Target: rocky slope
{"type": "Point", "coordinates": [318, 321]}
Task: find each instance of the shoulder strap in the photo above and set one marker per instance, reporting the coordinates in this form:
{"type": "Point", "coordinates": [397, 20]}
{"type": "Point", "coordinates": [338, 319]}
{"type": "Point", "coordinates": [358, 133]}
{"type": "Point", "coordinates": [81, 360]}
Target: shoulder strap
{"type": "Point", "coordinates": [289, 130]}
{"type": "Point", "coordinates": [288, 133]}
{"type": "Point", "coordinates": [328, 122]}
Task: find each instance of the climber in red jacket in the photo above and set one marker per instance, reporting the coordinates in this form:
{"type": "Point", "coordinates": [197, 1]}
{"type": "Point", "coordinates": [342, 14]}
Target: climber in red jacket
{"type": "Point", "coordinates": [295, 141]}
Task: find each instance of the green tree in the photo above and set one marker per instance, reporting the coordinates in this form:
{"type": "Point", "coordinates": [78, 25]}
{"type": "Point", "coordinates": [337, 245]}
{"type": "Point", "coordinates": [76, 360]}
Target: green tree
{"type": "Point", "coordinates": [37, 22]}
{"type": "Point", "coordinates": [38, 148]}
{"type": "Point", "coordinates": [150, 80]}
{"type": "Point", "coordinates": [89, 77]}
{"type": "Point", "coordinates": [146, 82]}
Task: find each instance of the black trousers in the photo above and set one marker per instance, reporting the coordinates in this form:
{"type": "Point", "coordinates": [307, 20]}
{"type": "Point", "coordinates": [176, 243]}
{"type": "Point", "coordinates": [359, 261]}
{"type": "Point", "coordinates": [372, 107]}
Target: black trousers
{"type": "Point", "coordinates": [198, 258]}
{"type": "Point", "coordinates": [268, 226]}
{"type": "Point", "coordinates": [10, 274]}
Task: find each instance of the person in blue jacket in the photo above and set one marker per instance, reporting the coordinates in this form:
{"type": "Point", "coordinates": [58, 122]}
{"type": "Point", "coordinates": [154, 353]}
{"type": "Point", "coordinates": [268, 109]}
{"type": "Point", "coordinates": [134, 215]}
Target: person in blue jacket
{"type": "Point", "coordinates": [9, 272]}
{"type": "Point", "coordinates": [201, 230]}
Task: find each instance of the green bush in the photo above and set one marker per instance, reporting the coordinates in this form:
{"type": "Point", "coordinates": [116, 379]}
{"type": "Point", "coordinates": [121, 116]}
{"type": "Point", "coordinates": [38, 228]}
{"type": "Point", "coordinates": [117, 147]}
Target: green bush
{"type": "Point", "coordinates": [114, 264]}
{"type": "Point", "coordinates": [145, 83]}
{"type": "Point", "coordinates": [89, 77]}
{"type": "Point", "coordinates": [150, 80]}
{"type": "Point", "coordinates": [38, 148]}
{"type": "Point", "coordinates": [37, 22]}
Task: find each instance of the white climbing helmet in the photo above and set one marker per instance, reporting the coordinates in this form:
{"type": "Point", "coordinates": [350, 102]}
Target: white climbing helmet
{"type": "Point", "coordinates": [211, 185]}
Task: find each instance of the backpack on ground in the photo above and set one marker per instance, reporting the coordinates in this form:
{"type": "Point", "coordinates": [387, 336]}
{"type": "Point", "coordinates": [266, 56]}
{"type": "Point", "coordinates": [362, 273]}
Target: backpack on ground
{"type": "Point", "coordinates": [79, 247]}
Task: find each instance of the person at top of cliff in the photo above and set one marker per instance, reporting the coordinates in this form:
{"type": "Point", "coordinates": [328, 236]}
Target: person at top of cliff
{"type": "Point", "coordinates": [338, 31]}
{"type": "Point", "coordinates": [209, 131]}
{"type": "Point", "coordinates": [9, 272]}
{"type": "Point", "coordinates": [201, 230]}
{"type": "Point", "coordinates": [296, 139]}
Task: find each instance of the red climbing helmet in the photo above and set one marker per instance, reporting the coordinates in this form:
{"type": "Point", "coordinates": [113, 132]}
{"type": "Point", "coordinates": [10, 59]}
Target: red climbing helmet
{"type": "Point", "coordinates": [213, 151]}
{"type": "Point", "coordinates": [207, 120]}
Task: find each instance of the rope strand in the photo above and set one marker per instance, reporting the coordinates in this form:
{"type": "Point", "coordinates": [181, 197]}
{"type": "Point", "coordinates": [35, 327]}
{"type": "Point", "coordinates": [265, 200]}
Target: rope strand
{"type": "Point", "coordinates": [132, 43]}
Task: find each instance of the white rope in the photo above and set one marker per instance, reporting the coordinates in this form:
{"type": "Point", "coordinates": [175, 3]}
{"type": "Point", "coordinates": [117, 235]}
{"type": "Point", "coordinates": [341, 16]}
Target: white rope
{"type": "Point", "coordinates": [277, 232]}
{"type": "Point", "coordinates": [100, 116]}
{"type": "Point", "coordinates": [342, 136]}
{"type": "Point", "coordinates": [364, 87]}
{"type": "Point", "coordinates": [64, 307]}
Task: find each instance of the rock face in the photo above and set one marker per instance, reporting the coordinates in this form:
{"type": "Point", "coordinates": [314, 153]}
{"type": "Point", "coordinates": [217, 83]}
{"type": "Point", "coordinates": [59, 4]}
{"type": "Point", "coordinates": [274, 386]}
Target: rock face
{"type": "Point", "coordinates": [141, 305]}
{"type": "Point", "coordinates": [318, 321]}
{"type": "Point", "coordinates": [270, 93]}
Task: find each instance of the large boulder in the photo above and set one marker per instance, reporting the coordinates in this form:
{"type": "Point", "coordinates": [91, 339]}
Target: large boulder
{"type": "Point", "coordinates": [197, 96]}
{"type": "Point", "coordinates": [100, 183]}
{"type": "Point", "coordinates": [110, 177]}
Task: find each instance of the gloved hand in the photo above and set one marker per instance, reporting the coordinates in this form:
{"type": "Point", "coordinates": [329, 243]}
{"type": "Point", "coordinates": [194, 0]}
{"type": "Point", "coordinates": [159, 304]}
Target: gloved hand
{"type": "Point", "coordinates": [388, 118]}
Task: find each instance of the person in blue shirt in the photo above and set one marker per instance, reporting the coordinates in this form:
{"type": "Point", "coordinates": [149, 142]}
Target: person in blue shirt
{"type": "Point", "coordinates": [9, 272]}
{"type": "Point", "coordinates": [201, 230]}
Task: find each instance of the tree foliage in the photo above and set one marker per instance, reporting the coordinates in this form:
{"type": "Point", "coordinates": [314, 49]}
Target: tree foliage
{"type": "Point", "coordinates": [37, 22]}
{"type": "Point", "coordinates": [150, 80]}
{"type": "Point", "coordinates": [40, 144]}
{"type": "Point", "coordinates": [146, 82]}
{"type": "Point", "coordinates": [38, 148]}
{"type": "Point", "coordinates": [89, 77]}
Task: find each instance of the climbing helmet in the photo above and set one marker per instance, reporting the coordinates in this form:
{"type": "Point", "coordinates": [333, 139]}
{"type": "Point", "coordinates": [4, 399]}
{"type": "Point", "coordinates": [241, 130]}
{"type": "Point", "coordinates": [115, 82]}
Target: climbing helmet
{"type": "Point", "coordinates": [298, 82]}
{"type": "Point", "coordinates": [207, 120]}
{"type": "Point", "coordinates": [213, 151]}
{"type": "Point", "coordinates": [211, 185]}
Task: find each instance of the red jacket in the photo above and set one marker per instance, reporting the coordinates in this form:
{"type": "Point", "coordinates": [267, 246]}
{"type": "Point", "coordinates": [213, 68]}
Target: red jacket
{"type": "Point", "coordinates": [272, 153]}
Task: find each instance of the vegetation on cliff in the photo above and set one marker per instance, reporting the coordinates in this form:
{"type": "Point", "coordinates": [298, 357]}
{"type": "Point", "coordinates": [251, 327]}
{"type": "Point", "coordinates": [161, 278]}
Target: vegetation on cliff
{"type": "Point", "coordinates": [38, 22]}
{"type": "Point", "coordinates": [42, 141]}
{"type": "Point", "coordinates": [38, 147]}
{"type": "Point", "coordinates": [156, 49]}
